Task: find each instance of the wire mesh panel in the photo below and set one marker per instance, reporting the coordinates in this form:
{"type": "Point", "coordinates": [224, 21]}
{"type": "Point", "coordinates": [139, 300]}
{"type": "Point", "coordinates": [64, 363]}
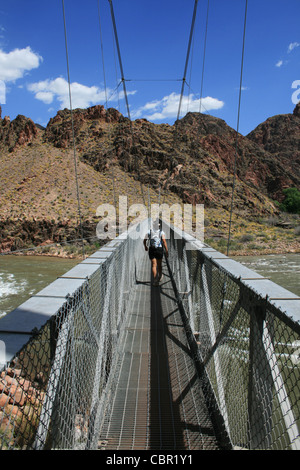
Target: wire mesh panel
{"type": "Point", "coordinates": [23, 385]}
{"type": "Point", "coordinates": [245, 345]}
{"type": "Point", "coordinates": [51, 393]}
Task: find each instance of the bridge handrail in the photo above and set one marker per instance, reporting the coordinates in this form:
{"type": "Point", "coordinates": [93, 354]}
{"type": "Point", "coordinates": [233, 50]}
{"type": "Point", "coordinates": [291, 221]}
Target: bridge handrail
{"type": "Point", "coordinates": [244, 333]}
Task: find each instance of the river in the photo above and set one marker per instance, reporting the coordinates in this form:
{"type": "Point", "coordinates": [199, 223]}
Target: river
{"type": "Point", "coordinates": [282, 269]}
{"type": "Point", "coordinates": [24, 276]}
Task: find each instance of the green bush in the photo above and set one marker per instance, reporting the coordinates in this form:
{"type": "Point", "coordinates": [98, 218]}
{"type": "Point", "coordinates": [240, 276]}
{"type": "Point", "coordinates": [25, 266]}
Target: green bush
{"type": "Point", "coordinates": [291, 202]}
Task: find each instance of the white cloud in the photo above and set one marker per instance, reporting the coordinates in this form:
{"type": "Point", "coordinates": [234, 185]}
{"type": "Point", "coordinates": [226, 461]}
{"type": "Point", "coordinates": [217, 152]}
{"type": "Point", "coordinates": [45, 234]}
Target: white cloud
{"type": "Point", "coordinates": [168, 106]}
{"type": "Point", "coordinates": [293, 46]}
{"type": "Point", "coordinates": [82, 96]}
{"type": "Point", "coordinates": [15, 64]}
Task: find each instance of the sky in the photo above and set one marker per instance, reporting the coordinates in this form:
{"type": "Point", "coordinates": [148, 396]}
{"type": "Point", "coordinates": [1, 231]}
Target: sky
{"type": "Point", "coordinates": [36, 66]}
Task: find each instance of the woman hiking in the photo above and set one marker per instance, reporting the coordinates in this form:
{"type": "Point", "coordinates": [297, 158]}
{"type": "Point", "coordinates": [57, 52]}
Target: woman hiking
{"type": "Point", "coordinates": [157, 244]}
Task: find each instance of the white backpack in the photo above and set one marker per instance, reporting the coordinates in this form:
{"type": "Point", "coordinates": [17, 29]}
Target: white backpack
{"type": "Point", "coordinates": [155, 240]}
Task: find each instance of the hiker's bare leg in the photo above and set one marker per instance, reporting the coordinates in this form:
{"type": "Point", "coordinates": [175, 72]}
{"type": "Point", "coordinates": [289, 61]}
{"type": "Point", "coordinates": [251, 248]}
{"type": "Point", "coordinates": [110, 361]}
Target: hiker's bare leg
{"type": "Point", "coordinates": [159, 268]}
{"type": "Point", "coordinates": [154, 268]}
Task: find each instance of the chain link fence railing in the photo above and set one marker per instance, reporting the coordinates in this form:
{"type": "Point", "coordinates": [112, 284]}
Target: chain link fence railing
{"type": "Point", "coordinates": [52, 391]}
{"type": "Point", "coordinates": [245, 344]}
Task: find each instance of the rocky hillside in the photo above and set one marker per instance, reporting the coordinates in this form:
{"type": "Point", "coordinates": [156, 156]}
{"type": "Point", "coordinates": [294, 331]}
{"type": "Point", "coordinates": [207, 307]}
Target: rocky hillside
{"type": "Point", "coordinates": [193, 159]}
{"type": "Point", "coordinates": [280, 137]}
{"type": "Point", "coordinates": [192, 162]}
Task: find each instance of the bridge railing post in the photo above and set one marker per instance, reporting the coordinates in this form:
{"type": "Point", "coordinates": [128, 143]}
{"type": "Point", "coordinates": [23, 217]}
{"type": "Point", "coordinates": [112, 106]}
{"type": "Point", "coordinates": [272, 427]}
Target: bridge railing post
{"type": "Point", "coordinates": [260, 391]}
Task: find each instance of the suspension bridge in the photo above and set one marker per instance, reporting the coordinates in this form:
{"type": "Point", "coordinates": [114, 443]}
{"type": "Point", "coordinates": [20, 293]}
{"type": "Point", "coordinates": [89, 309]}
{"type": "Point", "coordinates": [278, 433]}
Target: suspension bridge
{"type": "Point", "coordinates": [101, 359]}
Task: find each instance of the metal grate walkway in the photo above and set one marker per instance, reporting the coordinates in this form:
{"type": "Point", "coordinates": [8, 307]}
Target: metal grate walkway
{"type": "Point", "coordinates": [157, 402]}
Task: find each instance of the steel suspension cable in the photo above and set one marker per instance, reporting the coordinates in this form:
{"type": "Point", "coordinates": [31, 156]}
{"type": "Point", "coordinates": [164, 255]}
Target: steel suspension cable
{"type": "Point", "coordinates": [153, 79]}
{"type": "Point", "coordinates": [187, 56]}
{"type": "Point", "coordinates": [119, 54]}
{"type": "Point", "coordinates": [72, 122]}
{"type": "Point", "coordinates": [106, 100]}
{"type": "Point", "coordinates": [124, 87]}
{"type": "Point", "coordinates": [175, 134]}
{"type": "Point", "coordinates": [238, 123]}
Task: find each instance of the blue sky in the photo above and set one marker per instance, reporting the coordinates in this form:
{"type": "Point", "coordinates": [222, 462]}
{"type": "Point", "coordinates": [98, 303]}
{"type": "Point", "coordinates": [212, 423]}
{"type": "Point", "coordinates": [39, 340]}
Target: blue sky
{"type": "Point", "coordinates": [153, 38]}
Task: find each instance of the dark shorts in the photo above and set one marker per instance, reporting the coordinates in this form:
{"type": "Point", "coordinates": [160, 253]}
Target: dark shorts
{"type": "Point", "coordinates": [156, 253]}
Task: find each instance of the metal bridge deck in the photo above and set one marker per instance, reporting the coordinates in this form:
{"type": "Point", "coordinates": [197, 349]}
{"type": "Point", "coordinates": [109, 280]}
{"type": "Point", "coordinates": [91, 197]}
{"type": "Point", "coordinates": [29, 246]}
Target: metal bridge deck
{"type": "Point", "coordinates": [158, 402]}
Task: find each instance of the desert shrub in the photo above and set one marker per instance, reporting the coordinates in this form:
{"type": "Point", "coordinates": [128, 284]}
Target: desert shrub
{"type": "Point", "coordinates": [246, 238]}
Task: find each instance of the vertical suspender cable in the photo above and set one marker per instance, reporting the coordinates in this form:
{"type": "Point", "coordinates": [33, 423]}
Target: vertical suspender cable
{"type": "Point", "coordinates": [238, 123]}
{"type": "Point", "coordinates": [190, 79]}
{"type": "Point", "coordinates": [102, 53]}
{"type": "Point", "coordinates": [204, 54]}
{"type": "Point", "coordinates": [72, 121]}
{"type": "Point", "coordinates": [187, 56]}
